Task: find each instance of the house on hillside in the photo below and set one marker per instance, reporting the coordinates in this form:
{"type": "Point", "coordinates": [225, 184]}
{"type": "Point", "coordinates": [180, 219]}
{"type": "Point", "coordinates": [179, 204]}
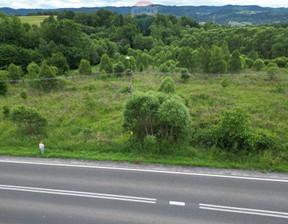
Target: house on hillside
{"type": "Point", "coordinates": [144, 7]}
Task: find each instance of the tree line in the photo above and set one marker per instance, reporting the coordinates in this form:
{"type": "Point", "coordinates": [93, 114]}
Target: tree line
{"type": "Point", "coordinates": [163, 42]}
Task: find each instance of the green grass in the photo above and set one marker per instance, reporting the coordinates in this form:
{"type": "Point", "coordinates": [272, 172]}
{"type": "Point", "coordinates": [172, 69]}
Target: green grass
{"type": "Point", "coordinates": [33, 20]}
{"type": "Point", "coordinates": [85, 119]}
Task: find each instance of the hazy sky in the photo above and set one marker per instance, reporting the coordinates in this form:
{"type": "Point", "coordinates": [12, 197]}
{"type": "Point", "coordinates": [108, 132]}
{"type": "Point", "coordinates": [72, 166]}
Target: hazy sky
{"type": "Point", "coordinates": [49, 4]}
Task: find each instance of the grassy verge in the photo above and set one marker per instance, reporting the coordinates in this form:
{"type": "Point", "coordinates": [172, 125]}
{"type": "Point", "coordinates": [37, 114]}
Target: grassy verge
{"type": "Point", "coordinates": [85, 119]}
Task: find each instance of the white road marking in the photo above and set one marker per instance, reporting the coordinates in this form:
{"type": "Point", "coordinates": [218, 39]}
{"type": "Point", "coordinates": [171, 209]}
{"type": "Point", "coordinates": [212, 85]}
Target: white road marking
{"type": "Point", "coordinates": [78, 194]}
{"type": "Point", "coordinates": [244, 210]}
{"type": "Point", "coordinates": [146, 171]}
{"type": "Point", "coordinates": [178, 203]}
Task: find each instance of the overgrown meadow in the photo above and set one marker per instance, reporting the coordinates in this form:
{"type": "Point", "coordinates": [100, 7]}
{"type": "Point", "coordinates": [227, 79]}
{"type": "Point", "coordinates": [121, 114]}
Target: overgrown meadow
{"type": "Point", "coordinates": [85, 119]}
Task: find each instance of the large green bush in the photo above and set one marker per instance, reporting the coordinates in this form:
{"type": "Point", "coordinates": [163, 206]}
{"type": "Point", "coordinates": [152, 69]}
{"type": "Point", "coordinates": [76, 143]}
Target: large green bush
{"type": "Point", "coordinates": [28, 118]}
{"type": "Point", "coordinates": [157, 114]}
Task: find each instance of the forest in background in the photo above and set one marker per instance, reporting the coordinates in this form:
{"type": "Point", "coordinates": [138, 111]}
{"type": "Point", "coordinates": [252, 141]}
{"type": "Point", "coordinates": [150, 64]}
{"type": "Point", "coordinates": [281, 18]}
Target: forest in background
{"type": "Point", "coordinates": [225, 15]}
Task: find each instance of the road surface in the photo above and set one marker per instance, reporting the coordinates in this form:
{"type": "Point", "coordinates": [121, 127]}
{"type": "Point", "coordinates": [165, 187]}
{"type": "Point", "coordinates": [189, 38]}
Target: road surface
{"type": "Point", "coordinates": [52, 192]}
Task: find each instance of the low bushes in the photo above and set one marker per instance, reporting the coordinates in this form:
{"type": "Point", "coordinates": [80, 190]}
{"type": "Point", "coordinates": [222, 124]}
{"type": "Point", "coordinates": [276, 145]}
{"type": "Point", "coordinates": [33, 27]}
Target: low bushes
{"type": "Point", "coordinates": [232, 133]}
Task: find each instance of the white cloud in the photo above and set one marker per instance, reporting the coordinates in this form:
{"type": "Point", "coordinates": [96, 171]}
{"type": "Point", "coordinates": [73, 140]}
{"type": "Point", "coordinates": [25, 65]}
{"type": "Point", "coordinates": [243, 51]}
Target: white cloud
{"type": "Point", "coordinates": [94, 3]}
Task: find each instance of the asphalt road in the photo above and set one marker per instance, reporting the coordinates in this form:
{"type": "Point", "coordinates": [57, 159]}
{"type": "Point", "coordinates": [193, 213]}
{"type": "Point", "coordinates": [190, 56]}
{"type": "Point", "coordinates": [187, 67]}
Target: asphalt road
{"type": "Point", "coordinates": [60, 193]}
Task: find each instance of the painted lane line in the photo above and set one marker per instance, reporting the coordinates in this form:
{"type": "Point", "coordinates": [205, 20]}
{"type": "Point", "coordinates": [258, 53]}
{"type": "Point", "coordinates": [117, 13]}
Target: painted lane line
{"type": "Point", "coordinates": [178, 203]}
{"type": "Point", "coordinates": [78, 194]}
{"type": "Point", "coordinates": [146, 171]}
{"type": "Point", "coordinates": [244, 210]}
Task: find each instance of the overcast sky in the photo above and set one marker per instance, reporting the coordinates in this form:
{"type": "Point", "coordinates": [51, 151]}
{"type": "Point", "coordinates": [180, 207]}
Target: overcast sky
{"type": "Point", "coordinates": [50, 4]}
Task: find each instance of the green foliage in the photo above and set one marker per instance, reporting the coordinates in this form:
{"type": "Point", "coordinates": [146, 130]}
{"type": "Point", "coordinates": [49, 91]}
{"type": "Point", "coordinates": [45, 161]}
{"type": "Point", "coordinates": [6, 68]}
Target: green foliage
{"type": "Point", "coordinates": [174, 120]}
{"type": "Point", "coordinates": [184, 74]}
{"type": "Point", "coordinates": [272, 64]}
{"type": "Point", "coordinates": [225, 82]}
{"type": "Point", "coordinates": [167, 86]}
{"type": "Point", "coordinates": [150, 144]}
{"type": "Point", "coordinates": [60, 62]}
{"type": "Point", "coordinates": [233, 134]}
{"type": "Point", "coordinates": [249, 62]}
{"type": "Point", "coordinates": [3, 84]}
{"type": "Point", "coordinates": [33, 70]}
{"type": "Point", "coordinates": [272, 72]}
{"type": "Point", "coordinates": [119, 69]}
{"type": "Point", "coordinates": [217, 64]}
{"type": "Point", "coordinates": [235, 64]}
{"type": "Point", "coordinates": [14, 72]}
{"type": "Point", "coordinates": [258, 65]}
{"type": "Point", "coordinates": [85, 67]}
{"type": "Point", "coordinates": [6, 111]}
{"type": "Point", "coordinates": [157, 114]}
{"type": "Point", "coordinates": [106, 64]}
{"type": "Point", "coordinates": [28, 118]}
{"type": "Point", "coordinates": [23, 94]}
{"type": "Point", "coordinates": [281, 62]}
{"type": "Point", "coordinates": [46, 78]}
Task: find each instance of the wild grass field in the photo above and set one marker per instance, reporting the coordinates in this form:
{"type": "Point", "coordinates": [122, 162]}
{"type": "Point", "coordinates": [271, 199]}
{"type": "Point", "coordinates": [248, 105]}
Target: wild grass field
{"type": "Point", "coordinates": [33, 20]}
{"type": "Point", "coordinates": [85, 118]}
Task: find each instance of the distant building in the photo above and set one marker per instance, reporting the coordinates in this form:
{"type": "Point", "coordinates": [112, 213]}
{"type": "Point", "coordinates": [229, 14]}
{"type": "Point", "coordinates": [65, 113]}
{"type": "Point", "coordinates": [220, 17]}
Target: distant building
{"type": "Point", "coordinates": [144, 7]}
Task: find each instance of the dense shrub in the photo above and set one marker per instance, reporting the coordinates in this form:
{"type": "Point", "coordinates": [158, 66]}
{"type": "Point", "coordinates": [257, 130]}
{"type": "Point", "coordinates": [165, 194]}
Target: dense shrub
{"type": "Point", "coordinates": [184, 74]}
{"type": "Point", "coordinates": [281, 62]}
{"type": "Point", "coordinates": [233, 134]}
{"type": "Point", "coordinates": [235, 63]}
{"type": "Point", "coordinates": [273, 71]}
{"type": "Point", "coordinates": [14, 72]}
{"type": "Point", "coordinates": [272, 64]}
{"type": "Point", "coordinates": [249, 62]}
{"type": "Point", "coordinates": [28, 118]}
{"type": "Point", "coordinates": [47, 78]}
{"type": "Point", "coordinates": [106, 64]}
{"type": "Point", "coordinates": [60, 62]}
{"type": "Point", "coordinates": [258, 65]}
{"type": "Point", "coordinates": [167, 86]}
{"type": "Point", "coordinates": [174, 121]}
{"type": "Point", "coordinates": [119, 69]}
{"type": "Point", "coordinates": [157, 114]}
{"type": "Point", "coordinates": [85, 67]}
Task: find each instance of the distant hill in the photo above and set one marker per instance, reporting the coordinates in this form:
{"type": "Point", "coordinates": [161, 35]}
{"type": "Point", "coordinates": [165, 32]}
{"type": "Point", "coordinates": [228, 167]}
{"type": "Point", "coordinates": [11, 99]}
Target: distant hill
{"type": "Point", "coordinates": [230, 14]}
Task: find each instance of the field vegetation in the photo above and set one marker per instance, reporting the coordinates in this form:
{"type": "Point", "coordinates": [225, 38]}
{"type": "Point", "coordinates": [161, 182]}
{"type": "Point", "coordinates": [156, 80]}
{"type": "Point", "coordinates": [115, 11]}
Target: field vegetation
{"type": "Point", "coordinates": [205, 95]}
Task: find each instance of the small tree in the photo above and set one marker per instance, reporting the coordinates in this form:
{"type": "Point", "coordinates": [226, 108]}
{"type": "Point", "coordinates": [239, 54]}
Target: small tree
{"type": "Point", "coordinates": [235, 64]}
{"type": "Point", "coordinates": [258, 65]}
{"type": "Point", "coordinates": [85, 67]}
{"type": "Point", "coordinates": [119, 69]}
{"type": "Point", "coordinates": [3, 84]}
{"type": "Point", "coordinates": [106, 64]}
{"type": "Point", "coordinates": [14, 72]}
{"type": "Point", "coordinates": [217, 63]}
{"type": "Point", "coordinates": [33, 70]}
{"type": "Point", "coordinates": [47, 78]}
{"type": "Point", "coordinates": [28, 118]}
{"type": "Point", "coordinates": [167, 86]}
{"type": "Point", "coordinates": [60, 62]}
